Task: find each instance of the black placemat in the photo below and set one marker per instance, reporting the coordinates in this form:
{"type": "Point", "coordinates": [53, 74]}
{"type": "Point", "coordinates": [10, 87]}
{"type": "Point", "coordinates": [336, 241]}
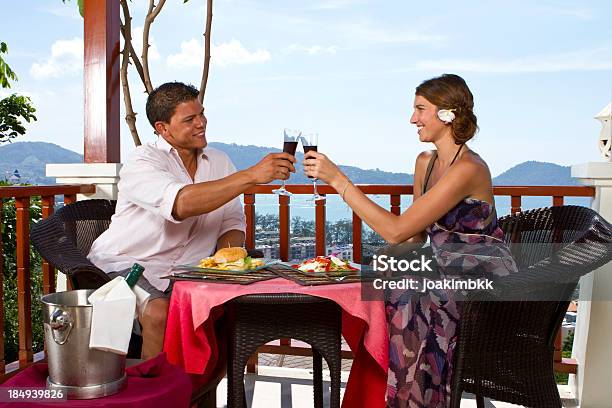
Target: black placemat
{"type": "Point", "coordinates": [311, 279]}
{"type": "Point", "coordinates": [222, 276]}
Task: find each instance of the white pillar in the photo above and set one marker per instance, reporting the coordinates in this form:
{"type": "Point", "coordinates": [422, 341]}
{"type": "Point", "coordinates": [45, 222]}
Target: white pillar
{"type": "Point", "coordinates": [104, 175]}
{"type": "Point", "coordinates": [591, 385]}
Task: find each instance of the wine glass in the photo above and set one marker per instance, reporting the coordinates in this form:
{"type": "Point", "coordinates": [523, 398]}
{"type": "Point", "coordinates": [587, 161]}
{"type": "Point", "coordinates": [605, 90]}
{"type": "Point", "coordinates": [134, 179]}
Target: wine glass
{"type": "Point", "coordinates": [310, 141]}
{"type": "Point", "coordinates": [290, 142]}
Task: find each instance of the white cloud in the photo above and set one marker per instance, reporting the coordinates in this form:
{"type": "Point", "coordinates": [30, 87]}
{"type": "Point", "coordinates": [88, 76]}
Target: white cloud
{"type": "Point", "coordinates": [68, 10]}
{"type": "Point", "coordinates": [224, 54]}
{"type": "Point", "coordinates": [66, 59]}
{"type": "Point", "coordinates": [32, 95]}
{"type": "Point", "coordinates": [584, 60]}
{"type": "Point", "coordinates": [234, 53]}
{"type": "Point", "coordinates": [137, 43]}
{"type": "Point", "coordinates": [191, 55]}
{"type": "Point", "coordinates": [336, 4]}
{"type": "Point", "coordinates": [365, 32]}
{"type": "Point", "coordinates": [312, 50]}
{"type": "Point", "coordinates": [561, 10]}
{"type": "Point", "coordinates": [581, 14]}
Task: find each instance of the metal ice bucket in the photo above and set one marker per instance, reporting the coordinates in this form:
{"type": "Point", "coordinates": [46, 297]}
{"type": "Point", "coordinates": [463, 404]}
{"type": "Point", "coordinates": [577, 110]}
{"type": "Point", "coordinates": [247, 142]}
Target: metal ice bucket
{"type": "Point", "coordinates": [74, 368]}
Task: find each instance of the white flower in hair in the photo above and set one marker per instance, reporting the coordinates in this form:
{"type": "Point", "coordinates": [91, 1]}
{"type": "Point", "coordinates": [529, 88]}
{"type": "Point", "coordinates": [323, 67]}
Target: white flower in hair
{"type": "Point", "coordinates": [446, 115]}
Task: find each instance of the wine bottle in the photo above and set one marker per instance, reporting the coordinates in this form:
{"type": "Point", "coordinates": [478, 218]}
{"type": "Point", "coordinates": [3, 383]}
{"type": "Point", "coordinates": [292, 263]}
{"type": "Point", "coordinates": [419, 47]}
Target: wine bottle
{"type": "Point", "coordinates": [135, 274]}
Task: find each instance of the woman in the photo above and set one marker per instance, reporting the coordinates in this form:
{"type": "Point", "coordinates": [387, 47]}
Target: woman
{"type": "Point", "coordinates": [453, 206]}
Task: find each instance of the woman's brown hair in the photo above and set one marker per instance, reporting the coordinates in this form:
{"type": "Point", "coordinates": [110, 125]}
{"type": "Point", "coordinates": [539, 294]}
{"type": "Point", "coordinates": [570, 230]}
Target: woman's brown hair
{"type": "Point", "coordinates": [450, 91]}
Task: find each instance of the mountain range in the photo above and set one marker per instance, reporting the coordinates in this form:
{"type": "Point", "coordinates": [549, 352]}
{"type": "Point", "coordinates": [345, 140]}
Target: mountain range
{"type": "Point", "coordinates": [29, 158]}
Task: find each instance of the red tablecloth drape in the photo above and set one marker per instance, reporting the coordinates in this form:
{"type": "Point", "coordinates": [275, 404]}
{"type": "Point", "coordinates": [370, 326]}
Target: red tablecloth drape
{"type": "Point", "coordinates": [155, 383]}
{"type": "Point", "coordinates": [191, 342]}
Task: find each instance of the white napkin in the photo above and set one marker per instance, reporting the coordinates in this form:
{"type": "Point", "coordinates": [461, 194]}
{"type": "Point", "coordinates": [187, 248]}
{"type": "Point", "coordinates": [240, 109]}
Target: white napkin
{"type": "Point", "coordinates": [142, 298]}
{"type": "Point", "coordinates": [114, 307]}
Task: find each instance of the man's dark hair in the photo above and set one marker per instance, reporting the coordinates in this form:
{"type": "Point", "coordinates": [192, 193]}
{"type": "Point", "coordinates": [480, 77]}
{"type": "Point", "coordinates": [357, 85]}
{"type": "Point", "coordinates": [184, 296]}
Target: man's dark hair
{"type": "Point", "coordinates": [163, 100]}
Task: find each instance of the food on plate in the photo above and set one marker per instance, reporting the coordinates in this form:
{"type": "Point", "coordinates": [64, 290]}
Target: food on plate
{"type": "Point", "coordinates": [233, 258]}
{"type": "Point", "coordinates": [325, 264]}
{"type": "Point", "coordinates": [231, 254]}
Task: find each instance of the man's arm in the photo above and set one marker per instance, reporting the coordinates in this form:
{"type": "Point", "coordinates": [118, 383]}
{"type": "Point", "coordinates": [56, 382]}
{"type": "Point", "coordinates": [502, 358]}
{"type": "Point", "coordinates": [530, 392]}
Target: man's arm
{"type": "Point", "coordinates": [202, 198]}
{"type": "Point", "coordinates": [231, 238]}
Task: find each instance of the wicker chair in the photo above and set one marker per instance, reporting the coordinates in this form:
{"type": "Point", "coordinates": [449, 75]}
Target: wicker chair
{"type": "Point", "coordinates": [505, 347]}
{"type": "Point", "coordinates": [64, 240]}
{"type": "Point", "coordinates": [257, 319]}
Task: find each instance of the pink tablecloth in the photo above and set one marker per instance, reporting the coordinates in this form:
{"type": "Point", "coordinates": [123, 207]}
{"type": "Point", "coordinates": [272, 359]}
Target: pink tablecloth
{"type": "Point", "coordinates": [190, 339]}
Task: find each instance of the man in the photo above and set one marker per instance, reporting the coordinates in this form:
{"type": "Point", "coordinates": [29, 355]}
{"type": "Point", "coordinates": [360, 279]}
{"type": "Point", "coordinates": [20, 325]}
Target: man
{"type": "Point", "coordinates": [177, 201]}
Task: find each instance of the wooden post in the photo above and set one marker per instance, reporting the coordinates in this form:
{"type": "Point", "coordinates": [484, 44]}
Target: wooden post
{"type": "Point", "coordinates": [284, 219]}
{"type": "Point", "coordinates": [396, 202]}
{"type": "Point", "coordinates": [357, 228]}
{"type": "Point", "coordinates": [24, 294]}
{"type": "Point", "coordinates": [252, 363]}
{"type": "Point", "coordinates": [515, 204]}
{"type": "Point", "coordinates": [249, 212]}
{"type": "Point", "coordinates": [48, 202]}
{"type": "Point", "coordinates": [320, 233]}
{"type": "Point", "coordinates": [2, 362]}
{"type": "Point", "coordinates": [101, 81]}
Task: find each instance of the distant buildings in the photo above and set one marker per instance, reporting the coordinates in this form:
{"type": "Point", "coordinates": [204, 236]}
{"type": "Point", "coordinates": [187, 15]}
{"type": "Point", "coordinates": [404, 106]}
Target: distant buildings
{"type": "Point", "coordinates": [14, 178]}
{"type": "Point", "coordinates": [301, 247]}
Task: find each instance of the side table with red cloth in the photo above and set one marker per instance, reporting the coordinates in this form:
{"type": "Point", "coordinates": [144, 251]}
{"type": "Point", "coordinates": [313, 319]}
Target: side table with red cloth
{"type": "Point", "coordinates": [191, 341]}
{"type": "Point", "coordinates": [151, 384]}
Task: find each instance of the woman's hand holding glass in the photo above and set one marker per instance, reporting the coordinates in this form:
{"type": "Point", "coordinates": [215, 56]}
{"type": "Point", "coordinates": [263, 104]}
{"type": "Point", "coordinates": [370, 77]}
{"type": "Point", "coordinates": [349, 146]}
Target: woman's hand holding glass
{"type": "Point", "coordinates": [319, 166]}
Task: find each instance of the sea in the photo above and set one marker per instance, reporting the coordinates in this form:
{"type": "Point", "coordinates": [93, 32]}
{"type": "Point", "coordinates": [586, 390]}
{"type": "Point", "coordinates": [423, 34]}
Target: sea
{"type": "Point", "coordinates": [336, 209]}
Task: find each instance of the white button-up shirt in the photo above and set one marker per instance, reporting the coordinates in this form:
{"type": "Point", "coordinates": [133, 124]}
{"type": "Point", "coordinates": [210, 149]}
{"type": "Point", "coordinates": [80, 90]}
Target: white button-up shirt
{"type": "Point", "coordinates": [143, 230]}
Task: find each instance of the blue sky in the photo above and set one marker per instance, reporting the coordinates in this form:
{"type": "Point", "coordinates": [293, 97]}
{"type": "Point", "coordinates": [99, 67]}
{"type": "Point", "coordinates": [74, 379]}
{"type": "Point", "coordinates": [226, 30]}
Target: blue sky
{"type": "Point", "coordinates": [347, 69]}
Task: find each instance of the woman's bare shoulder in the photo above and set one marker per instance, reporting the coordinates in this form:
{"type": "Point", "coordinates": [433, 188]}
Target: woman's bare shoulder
{"type": "Point", "coordinates": [472, 166]}
{"type": "Point", "coordinates": [423, 159]}
{"type": "Point", "coordinates": [475, 160]}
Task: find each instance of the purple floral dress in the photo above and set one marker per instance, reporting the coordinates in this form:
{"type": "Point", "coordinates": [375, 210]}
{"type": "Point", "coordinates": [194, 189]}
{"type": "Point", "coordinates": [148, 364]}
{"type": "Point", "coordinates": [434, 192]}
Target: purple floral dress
{"type": "Point", "coordinates": [423, 326]}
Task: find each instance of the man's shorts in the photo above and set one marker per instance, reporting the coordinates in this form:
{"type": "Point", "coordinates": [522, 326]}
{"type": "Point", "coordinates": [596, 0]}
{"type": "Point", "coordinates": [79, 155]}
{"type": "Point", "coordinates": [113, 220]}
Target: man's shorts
{"type": "Point", "coordinates": [144, 284]}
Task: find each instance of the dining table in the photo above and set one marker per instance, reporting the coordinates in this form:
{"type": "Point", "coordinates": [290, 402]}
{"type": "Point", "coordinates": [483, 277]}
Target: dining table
{"type": "Point", "coordinates": [192, 342]}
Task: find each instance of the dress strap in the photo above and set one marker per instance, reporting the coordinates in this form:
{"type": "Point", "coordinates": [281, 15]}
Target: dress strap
{"type": "Point", "coordinates": [429, 170]}
{"type": "Point", "coordinates": [431, 164]}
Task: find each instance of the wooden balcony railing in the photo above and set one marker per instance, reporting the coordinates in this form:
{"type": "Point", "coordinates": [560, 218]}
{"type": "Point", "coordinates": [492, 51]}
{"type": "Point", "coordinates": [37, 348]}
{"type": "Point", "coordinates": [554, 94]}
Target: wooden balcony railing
{"type": "Point", "coordinates": [22, 196]}
{"type": "Point", "coordinates": [395, 193]}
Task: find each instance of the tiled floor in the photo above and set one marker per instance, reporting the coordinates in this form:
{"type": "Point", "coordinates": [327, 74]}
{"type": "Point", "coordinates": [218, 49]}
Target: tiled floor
{"type": "Point", "coordinates": [286, 382]}
{"type": "Point", "coordinates": [280, 360]}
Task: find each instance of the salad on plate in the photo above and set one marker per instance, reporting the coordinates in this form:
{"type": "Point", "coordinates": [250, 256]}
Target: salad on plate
{"type": "Point", "coordinates": [328, 263]}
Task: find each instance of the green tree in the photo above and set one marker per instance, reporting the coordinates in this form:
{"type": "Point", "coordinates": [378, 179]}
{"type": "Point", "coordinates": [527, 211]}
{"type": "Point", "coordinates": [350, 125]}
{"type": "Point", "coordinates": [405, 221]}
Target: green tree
{"type": "Point", "coordinates": [13, 110]}
{"type": "Point", "coordinates": [266, 222]}
{"type": "Point", "coordinates": [302, 228]}
{"type": "Point", "coordinates": [339, 232]}
{"type": "Point", "coordinates": [6, 72]}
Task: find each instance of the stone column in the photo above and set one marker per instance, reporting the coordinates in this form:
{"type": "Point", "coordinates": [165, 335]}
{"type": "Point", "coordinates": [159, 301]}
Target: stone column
{"type": "Point", "coordinates": [104, 175]}
{"type": "Point", "coordinates": [591, 385]}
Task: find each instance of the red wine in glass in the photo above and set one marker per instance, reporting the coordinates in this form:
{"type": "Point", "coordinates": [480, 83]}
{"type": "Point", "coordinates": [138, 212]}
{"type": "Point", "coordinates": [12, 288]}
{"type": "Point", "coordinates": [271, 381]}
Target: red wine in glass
{"type": "Point", "coordinates": [310, 141]}
{"type": "Point", "coordinates": [308, 149]}
{"type": "Point", "coordinates": [290, 147]}
{"type": "Point", "coordinates": [290, 142]}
